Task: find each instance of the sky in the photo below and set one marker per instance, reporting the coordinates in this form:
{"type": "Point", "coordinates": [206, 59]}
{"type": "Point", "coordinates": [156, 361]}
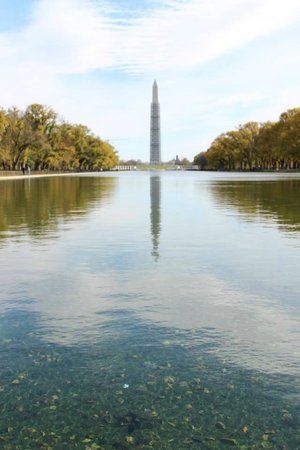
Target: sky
{"type": "Point", "coordinates": [218, 64]}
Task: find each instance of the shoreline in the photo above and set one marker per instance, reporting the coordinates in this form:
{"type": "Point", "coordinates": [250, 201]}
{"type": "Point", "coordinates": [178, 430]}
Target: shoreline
{"type": "Point", "coordinates": [40, 175]}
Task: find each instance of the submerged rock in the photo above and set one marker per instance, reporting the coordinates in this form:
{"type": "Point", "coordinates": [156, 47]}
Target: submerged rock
{"type": "Point", "coordinates": [229, 441]}
{"type": "Point", "coordinates": [220, 426]}
{"type": "Point", "coordinates": [288, 419]}
{"type": "Point", "coordinates": [133, 422]}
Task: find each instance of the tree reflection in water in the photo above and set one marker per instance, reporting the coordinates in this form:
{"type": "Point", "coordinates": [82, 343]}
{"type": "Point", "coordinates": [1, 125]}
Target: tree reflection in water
{"type": "Point", "coordinates": [40, 205]}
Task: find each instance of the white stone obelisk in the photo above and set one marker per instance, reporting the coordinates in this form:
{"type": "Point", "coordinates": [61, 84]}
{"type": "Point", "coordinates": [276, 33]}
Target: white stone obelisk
{"type": "Point", "coordinates": [155, 157]}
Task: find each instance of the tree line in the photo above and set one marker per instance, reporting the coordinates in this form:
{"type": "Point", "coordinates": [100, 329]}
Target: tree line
{"type": "Point", "coordinates": [256, 146]}
{"type": "Point", "coordinates": [36, 138]}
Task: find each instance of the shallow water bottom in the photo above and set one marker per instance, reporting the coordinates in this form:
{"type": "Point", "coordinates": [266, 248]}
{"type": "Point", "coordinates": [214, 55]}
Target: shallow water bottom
{"type": "Point", "coordinates": [125, 392]}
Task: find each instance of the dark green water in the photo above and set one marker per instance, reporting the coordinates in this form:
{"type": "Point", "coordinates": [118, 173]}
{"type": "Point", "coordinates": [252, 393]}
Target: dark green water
{"type": "Point", "coordinates": [150, 311]}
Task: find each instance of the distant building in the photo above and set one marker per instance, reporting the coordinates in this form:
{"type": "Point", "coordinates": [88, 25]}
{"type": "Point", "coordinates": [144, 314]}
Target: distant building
{"type": "Point", "coordinates": [155, 157]}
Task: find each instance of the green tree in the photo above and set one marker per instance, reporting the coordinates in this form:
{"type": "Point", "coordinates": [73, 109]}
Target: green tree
{"type": "Point", "coordinates": [200, 160]}
{"type": "Point", "coordinates": [43, 121]}
{"type": "Point", "coordinates": [289, 138]}
{"type": "Point", "coordinates": [4, 151]}
{"type": "Point", "coordinates": [246, 140]}
{"type": "Point", "coordinates": [18, 137]}
{"type": "Point", "coordinates": [268, 148]}
{"type": "Point", "coordinates": [221, 154]}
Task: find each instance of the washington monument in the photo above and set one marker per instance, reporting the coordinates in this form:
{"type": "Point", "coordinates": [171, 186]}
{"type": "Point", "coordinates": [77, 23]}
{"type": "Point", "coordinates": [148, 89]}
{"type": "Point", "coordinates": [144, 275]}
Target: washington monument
{"type": "Point", "coordinates": [155, 128]}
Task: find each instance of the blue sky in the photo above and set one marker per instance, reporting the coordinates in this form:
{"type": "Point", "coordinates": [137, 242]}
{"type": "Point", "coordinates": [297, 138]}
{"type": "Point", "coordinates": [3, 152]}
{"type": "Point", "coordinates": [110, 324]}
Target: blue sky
{"type": "Point", "coordinates": [218, 63]}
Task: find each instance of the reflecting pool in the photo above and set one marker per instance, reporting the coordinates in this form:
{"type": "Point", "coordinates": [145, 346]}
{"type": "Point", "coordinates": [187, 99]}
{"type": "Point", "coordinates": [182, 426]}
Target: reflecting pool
{"type": "Point", "coordinates": [154, 310]}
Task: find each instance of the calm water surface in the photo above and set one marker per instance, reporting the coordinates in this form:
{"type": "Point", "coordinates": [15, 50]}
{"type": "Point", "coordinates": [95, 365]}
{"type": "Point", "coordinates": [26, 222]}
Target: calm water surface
{"type": "Point", "coordinates": [150, 311]}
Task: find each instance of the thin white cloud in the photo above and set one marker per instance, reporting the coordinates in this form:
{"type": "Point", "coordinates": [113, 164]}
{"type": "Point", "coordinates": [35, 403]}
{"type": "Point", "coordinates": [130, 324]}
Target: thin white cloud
{"type": "Point", "coordinates": [196, 32]}
{"type": "Point", "coordinates": [73, 36]}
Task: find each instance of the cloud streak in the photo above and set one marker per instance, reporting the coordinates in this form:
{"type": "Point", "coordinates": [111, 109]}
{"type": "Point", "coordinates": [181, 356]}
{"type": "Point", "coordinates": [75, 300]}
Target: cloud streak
{"type": "Point", "coordinates": [74, 36]}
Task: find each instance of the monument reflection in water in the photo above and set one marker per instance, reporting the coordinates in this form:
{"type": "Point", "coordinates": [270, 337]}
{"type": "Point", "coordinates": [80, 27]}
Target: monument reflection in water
{"type": "Point", "coordinates": [155, 214]}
